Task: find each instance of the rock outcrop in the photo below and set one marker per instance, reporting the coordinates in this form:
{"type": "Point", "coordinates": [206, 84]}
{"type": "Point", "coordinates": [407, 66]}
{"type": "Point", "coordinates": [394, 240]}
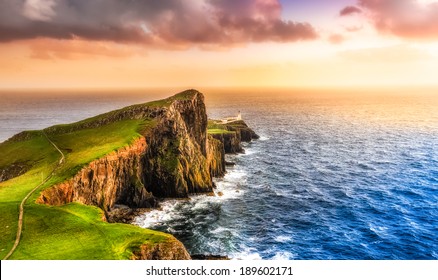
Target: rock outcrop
{"type": "Point", "coordinates": [172, 159]}
{"type": "Point", "coordinates": [12, 171]}
{"type": "Point", "coordinates": [241, 128]}
{"type": "Point", "coordinates": [113, 179]}
{"type": "Point", "coordinates": [231, 142]}
{"type": "Point", "coordinates": [170, 250]}
{"type": "Point", "coordinates": [236, 133]}
{"type": "Point", "coordinates": [216, 156]}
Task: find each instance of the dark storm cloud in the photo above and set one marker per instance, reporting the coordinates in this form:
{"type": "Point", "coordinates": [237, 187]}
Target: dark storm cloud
{"type": "Point", "coordinates": [164, 22]}
{"type": "Point", "coordinates": [350, 10]}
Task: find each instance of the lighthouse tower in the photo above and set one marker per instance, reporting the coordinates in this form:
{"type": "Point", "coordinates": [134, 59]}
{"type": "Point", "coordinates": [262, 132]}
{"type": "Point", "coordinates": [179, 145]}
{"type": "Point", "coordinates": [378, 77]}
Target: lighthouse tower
{"type": "Point", "coordinates": [239, 116]}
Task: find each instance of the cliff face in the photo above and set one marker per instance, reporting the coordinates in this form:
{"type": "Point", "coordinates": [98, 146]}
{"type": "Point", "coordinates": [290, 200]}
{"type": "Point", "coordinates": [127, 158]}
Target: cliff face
{"type": "Point", "coordinates": [172, 159]}
{"type": "Point", "coordinates": [231, 141]}
{"type": "Point", "coordinates": [176, 162]}
{"type": "Point", "coordinates": [238, 132]}
{"type": "Point", "coordinates": [241, 128]}
{"type": "Point", "coordinates": [216, 156]}
{"type": "Point", "coordinates": [106, 181]}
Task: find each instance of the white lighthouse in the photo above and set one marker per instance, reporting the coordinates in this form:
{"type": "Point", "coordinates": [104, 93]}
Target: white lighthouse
{"type": "Point", "coordinates": [239, 116]}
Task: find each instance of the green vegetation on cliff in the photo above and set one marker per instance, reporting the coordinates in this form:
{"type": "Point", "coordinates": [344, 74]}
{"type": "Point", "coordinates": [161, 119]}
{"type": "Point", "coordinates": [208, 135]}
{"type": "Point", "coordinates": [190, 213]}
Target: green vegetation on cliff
{"type": "Point", "coordinates": [215, 127]}
{"type": "Point", "coordinates": [72, 231]}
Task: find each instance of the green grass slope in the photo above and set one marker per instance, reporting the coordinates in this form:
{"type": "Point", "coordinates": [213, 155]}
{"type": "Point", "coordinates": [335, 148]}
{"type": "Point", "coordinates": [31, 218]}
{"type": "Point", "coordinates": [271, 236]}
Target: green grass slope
{"type": "Point", "coordinates": [72, 231]}
{"type": "Point", "coordinates": [215, 127]}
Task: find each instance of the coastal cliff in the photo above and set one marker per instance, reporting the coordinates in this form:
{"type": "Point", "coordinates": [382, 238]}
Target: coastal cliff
{"type": "Point", "coordinates": [104, 182]}
{"type": "Point", "coordinates": [172, 158]}
{"type": "Point", "coordinates": [122, 160]}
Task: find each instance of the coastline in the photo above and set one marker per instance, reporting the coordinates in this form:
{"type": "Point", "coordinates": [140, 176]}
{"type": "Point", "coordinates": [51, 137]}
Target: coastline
{"type": "Point", "coordinates": [141, 172]}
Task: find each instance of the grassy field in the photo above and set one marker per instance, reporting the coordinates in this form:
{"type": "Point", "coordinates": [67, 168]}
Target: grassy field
{"type": "Point", "coordinates": [219, 131]}
{"type": "Point", "coordinates": [72, 231]}
{"type": "Point", "coordinates": [216, 128]}
{"type": "Point", "coordinates": [42, 156]}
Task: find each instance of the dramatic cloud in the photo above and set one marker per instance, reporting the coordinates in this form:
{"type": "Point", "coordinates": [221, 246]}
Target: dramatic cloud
{"type": "Point", "coordinates": [350, 10]}
{"type": "Point", "coordinates": [169, 23]}
{"type": "Point", "coordinates": [404, 18]}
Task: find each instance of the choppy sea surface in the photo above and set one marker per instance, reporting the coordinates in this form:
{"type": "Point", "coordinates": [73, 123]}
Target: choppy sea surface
{"type": "Point", "coordinates": [333, 176]}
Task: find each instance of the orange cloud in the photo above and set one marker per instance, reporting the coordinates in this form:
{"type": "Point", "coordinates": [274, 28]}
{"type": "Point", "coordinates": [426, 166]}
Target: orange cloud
{"type": "Point", "coordinates": [336, 39]}
{"type": "Point", "coordinates": [46, 48]}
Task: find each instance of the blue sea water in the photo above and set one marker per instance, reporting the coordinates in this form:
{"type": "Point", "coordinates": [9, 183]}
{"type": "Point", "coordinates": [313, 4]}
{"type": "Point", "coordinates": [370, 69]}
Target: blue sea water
{"type": "Point", "coordinates": [344, 176]}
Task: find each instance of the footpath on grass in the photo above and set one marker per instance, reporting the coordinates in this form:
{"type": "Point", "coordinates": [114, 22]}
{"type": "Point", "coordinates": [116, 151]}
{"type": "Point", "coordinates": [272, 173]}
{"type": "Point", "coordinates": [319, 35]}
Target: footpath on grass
{"type": "Point", "coordinates": [21, 210]}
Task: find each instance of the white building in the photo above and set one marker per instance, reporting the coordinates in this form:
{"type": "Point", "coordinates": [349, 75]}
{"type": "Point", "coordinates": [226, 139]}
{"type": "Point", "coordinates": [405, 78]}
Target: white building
{"type": "Point", "coordinates": [232, 119]}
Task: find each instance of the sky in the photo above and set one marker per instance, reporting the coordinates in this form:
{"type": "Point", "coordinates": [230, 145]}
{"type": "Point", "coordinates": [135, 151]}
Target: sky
{"type": "Point", "coordinates": [218, 43]}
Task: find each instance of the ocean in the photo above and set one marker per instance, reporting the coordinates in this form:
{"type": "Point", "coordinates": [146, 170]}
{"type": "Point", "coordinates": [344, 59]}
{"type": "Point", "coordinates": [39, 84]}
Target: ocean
{"type": "Point", "coordinates": [335, 175]}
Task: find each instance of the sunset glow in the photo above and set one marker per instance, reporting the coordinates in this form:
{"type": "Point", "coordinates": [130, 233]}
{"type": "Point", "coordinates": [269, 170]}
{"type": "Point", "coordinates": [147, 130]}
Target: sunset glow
{"type": "Point", "coordinates": [269, 43]}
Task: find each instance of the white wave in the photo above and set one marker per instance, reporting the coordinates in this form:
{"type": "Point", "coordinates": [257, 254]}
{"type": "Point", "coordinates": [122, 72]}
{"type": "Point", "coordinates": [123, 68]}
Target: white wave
{"type": "Point", "coordinates": [282, 193]}
{"type": "Point", "coordinates": [379, 230]}
{"type": "Point", "coordinates": [228, 194]}
{"type": "Point", "coordinates": [283, 256]}
{"type": "Point", "coordinates": [227, 188]}
{"type": "Point", "coordinates": [170, 209]}
{"type": "Point", "coordinates": [263, 138]}
{"type": "Point", "coordinates": [283, 238]}
{"type": "Point", "coordinates": [226, 191]}
{"type": "Point", "coordinates": [158, 216]}
{"type": "Point", "coordinates": [348, 191]}
{"type": "Point", "coordinates": [249, 151]}
{"type": "Point", "coordinates": [246, 254]}
{"type": "Point", "coordinates": [223, 231]}
{"type": "Point", "coordinates": [219, 230]}
{"type": "Point", "coordinates": [235, 175]}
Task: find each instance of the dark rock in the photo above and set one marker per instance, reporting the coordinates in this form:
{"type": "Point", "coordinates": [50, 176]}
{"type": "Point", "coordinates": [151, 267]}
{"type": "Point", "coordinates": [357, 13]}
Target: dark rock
{"type": "Point", "coordinates": [209, 257]}
{"type": "Point", "coordinates": [238, 132]}
{"type": "Point", "coordinates": [241, 128]}
{"type": "Point", "coordinates": [216, 156]}
{"type": "Point", "coordinates": [123, 214]}
{"type": "Point", "coordinates": [230, 141]}
{"type": "Point", "coordinates": [13, 170]}
{"type": "Point", "coordinates": [172, 249]}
